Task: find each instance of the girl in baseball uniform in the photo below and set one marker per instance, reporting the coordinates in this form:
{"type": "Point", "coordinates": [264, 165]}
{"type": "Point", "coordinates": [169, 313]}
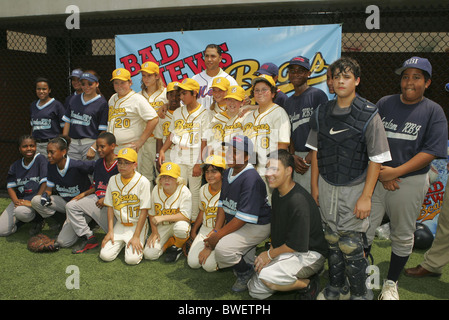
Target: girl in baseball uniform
{"type": "Point", "coordinates": [131, 119]}
{"type": "Point", "coordinates": [90, 203]}
{"type": "Point", "coordinates": [68, 178]}
{"type": "Point", "coordinates": [200, 255]}
{"type": "Point", "coordinates": [188, 128]}
{"type": "Point", "coordinates": [128, 199]}
{"type": "Point", "coordinates": [170, 215]}
{"type": "Point", "coordinates": [85, 118]}
{"type": "Point", "coordinates": [269, 125]}
{"type": "Point", "coordinates": [46, 116]}
{"type": "Point", "coordinates": [416, 129]}
{"type": "Point", "coordinates": [26, 177]}
{"type": "Point", "coordinates": [153, 89]}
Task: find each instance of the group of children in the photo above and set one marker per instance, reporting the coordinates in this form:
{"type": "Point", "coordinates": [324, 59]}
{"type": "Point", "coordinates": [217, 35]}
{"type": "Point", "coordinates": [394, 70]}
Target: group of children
{"type": "Point", "coordinates": [154, 173]}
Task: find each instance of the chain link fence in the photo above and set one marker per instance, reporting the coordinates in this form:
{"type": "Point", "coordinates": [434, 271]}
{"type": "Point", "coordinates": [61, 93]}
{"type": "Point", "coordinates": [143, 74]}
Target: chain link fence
{"type": "Point", "coordinates": [45, 47]}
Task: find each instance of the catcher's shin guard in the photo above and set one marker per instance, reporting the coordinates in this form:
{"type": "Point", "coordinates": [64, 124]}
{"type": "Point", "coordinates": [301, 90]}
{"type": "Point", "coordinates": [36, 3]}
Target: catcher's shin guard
{"type": "Point", "coordinates": [336, 260]}
{"type": "Point", "coordinates": [351, 244]}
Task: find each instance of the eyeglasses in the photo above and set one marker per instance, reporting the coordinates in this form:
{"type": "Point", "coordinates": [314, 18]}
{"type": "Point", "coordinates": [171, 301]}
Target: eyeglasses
{"type": "Point", "coordinates": [261, 91]}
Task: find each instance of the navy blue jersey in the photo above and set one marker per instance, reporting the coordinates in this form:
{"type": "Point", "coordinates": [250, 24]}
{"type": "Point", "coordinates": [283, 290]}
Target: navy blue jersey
{"type": "Point", "coordinates": [102, 174]}
{"type": "Point", "coordinates": [46, 121]}
{"type": "Point", "coordinates": [72, 180]}
{"type": "Point", "coordinates": [87, 119]}
{"type": "Point", "coordinates": [67, 100]}
{"type": "Point", "coordinates": [299, 109]}
{"type": "Point", "coordinates": [280, 98]}
{"type": "Point", "coordinates": [27, 179]}
{"type": "Point", "coordinates": [244, 196]}
{"type": "Point", "coordinates": [411, 129]}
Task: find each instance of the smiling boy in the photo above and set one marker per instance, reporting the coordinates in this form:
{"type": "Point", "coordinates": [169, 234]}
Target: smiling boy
{"type": "Point", "coordinates": [417, 133]}
{"type": "Point", "coordinates": [349, 144]}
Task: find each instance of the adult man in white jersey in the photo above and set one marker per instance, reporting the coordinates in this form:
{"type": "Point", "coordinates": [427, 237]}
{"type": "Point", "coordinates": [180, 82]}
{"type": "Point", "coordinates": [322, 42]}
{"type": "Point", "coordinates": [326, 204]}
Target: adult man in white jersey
{"type": "Point", "coordinates": [212, 59]}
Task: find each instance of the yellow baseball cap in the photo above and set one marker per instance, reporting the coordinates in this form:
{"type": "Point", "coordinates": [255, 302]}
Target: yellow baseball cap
{"type": "Point", "coordinates": [266, 78]}
{"type": "Point", "coordinates": [121, 74]}
{"type": "Point", "coordinates": [170, 169]}
{"type": "Point", "coordinates": [220, 83]}
{"type": "Point", "coordinates": [236, 92]}
{"type": "Point", "coordinates": [216, 161]}
{"type": "Point", "coordinates": [172, 86]}
{"type": "Point", "coordinates": [189, 85]}
{"type": "Point", "coordinates": [128, 154]}
{"type": "Point", "coordinates": [149, 67]}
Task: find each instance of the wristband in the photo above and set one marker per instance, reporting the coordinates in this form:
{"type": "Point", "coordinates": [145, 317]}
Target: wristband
{"type": "Point", "coordinates": [307, 164]}
{"type": "Point", "coordinates": [268, 253]}
{"type": "Point", "coordinates": [93, 149]}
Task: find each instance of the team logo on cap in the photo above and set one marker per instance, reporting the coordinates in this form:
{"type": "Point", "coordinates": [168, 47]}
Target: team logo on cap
{"type": "Point", "coordinates": [168, 167]}
{"type": "Point", "coordinates": [118, 72]}
{"type": "Point", "coordinates": [234, 90]}
{"type": "Point", "coordinates": [218, 80]}
{"type": "Point", "coordinates": [298, 59]}
{"type": "Point", "coordinates": [145, 65]}
{"type": "Point", "coordinates": [125, 151]}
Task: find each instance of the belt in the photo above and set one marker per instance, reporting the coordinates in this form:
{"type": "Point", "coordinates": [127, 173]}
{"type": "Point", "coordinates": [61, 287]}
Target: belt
{"type": "Point", "coordinates": [127, 224]}
{"type": "Point", "coordinates": [42, 140]}
{"type": "Point", "coordinates": [83, 141]}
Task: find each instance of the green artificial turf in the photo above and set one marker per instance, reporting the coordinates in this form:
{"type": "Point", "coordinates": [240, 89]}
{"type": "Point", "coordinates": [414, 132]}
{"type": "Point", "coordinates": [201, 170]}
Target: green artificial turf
{"type": "Point", "coordinates": [41, 276]}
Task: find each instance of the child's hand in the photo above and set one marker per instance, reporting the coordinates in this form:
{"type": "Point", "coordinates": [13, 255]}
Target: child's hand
{"type": "Point", "coordinates": [363, 207]}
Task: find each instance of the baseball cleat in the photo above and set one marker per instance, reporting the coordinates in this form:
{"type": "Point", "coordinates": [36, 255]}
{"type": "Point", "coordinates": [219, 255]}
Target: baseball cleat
{"type": "Point", "coordinates": [85, 244]}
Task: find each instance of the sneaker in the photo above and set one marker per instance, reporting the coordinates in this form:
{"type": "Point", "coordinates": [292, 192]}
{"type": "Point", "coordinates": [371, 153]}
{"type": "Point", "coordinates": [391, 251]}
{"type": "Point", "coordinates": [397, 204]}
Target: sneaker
{"type": "Point", "coordinates": [335, 293]}
{"type": "Point", "coordinates": [172, 254]}
{"type": "Point", "coordinates": [389, 291]}
{"type": "Point", "coordinates": [36, 227]}
{"type": "Point", "coordinates": [241, 284]}
{"type": "Point", "coordinates": [85, 244]}
{"type": "Point", "coordinates": [311, 292]}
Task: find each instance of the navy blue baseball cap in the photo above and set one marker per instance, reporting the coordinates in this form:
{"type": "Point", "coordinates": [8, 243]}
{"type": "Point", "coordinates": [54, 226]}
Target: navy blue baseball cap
{"type": "Point", "coordinates": [242, 143]}
{"type": "Point", "coordinates": [89, 77]}
{"type": "Point", "coordinates": [268, 68]}
{"type": "Point", "coordinates": [300, 61]}
{"type": "Point", "coordinates": [416, 62]}
{"type": "Point", "coordinates": [76, 73]}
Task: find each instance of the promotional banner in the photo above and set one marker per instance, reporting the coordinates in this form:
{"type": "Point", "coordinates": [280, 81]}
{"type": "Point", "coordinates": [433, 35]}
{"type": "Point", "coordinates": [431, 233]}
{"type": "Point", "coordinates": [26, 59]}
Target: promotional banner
{"type": "Point", "coordinates": [180, 54]}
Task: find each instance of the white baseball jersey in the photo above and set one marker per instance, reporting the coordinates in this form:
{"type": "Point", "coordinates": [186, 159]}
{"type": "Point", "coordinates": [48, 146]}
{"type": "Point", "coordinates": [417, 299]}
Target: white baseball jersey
{"type": "Point", "coordinates": [179, 202]}
{"type": "Point", "coordinates": [205, 95]}
{"type": "Point", "coordinates": [209, 205]}
{"type": "Point", "coordinates": [222, 128]}
{"type": "Point", "coordinates": [162, 130]}
{"type": "Point", "coordinates": [188, 129]}
{"type": "Point", "coordinates": [128, 117]}
{"type": "Point", "coordinates": [156, 100]}
{"type": "Point", "coordinates": [266, 130]}
{"type": "Point", "coordinates": [127, 200]}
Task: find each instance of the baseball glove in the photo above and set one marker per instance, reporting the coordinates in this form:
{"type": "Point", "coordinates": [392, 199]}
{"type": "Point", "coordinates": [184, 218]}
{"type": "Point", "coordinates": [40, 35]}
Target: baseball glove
{"type": "Point", "coordinates": [42, 243]}
{"type": "Point", "coordinates": [186, 246]}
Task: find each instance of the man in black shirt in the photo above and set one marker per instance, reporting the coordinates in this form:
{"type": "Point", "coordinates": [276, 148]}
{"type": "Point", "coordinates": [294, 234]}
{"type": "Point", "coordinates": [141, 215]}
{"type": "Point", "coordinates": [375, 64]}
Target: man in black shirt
{"type": "Point", "coordinates": [298, 249]}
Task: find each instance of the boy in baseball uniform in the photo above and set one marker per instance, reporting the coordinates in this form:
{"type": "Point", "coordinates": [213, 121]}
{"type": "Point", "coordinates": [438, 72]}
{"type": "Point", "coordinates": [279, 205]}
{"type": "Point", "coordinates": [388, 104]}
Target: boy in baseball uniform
{"type": "Point", "coordinates": [243, 214]}
{"type": "Point", "coordinates": [169, 216]}
{"type": "Point", "coordinates": [90, 203]}
{"type": "Point", "coordinates": [417, 134]}
{"type": "Point", "coordinates": [225, 125]}
{"type": "Point", "coordinates": [349, 145]}
{"type": "Point", "coordinates": [128, 198]}
{"type": "Point", "coordinates": [162, 132]}
{"type": "Point", "coordinates": [131, 118]}
{"type": "Point", "coordinates": [187, 129]}
{"type": "Point", "coordinates": [299, 108]}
